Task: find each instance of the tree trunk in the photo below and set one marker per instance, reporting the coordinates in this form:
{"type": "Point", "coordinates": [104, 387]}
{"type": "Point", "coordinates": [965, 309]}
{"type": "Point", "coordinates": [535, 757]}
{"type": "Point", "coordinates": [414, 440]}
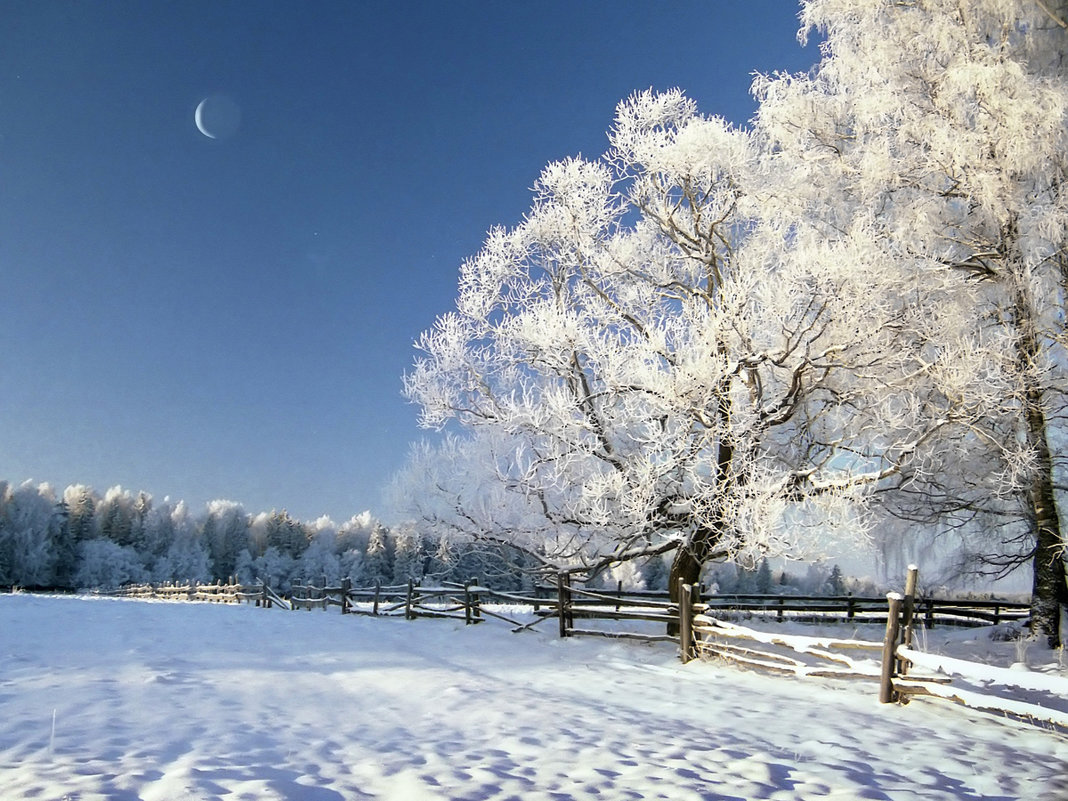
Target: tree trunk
{"type": "Point", "coordinates": [1049, 590]}
{"type": "Point", "coordinates": [687, 564]}
{"type": "Point", "coordinates": [691, 556]}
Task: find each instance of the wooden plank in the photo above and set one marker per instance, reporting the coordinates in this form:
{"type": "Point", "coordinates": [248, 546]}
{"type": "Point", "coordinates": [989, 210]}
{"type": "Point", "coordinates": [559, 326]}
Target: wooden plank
{"type": "Point", "coordinates": [624, 635]}
{"type": "Point", "coordinates": [710, 626]}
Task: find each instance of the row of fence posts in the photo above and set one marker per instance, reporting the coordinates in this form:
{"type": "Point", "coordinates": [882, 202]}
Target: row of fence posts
{"type": "Point", "coordinates": [472, 599]}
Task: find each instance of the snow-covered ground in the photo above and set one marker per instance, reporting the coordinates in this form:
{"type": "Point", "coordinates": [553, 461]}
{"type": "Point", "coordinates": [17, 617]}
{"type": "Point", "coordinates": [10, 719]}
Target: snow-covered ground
{"type": "Point", "coordinates": [113, 699]}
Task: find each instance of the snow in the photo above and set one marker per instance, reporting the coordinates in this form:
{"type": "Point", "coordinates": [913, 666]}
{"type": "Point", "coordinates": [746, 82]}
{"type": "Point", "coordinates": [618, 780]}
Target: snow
{"type": "Point", "coordinates": [119, 699]}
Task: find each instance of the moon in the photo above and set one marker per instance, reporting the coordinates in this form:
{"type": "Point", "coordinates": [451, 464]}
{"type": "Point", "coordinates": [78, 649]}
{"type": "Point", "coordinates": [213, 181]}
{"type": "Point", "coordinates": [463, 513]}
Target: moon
{"type": "Point", "coordinates": [217, 117]}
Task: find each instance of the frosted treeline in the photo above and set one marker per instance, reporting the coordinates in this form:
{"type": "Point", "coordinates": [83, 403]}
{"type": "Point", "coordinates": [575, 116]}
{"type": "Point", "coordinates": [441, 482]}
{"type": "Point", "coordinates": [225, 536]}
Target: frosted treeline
{"type": "Point", "coordinates": [81, 539]}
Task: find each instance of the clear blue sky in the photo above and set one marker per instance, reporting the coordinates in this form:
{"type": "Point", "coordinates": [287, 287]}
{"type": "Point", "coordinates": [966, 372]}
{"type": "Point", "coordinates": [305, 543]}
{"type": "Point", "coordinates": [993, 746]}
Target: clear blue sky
{"type": "Point", "coordinates": [231, 318]}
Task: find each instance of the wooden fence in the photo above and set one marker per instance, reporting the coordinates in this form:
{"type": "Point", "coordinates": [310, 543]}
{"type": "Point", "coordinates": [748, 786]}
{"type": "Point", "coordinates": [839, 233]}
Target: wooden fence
{"type": "Point", "coordinates": [703, 627]}
{"type": "Point", "coordinates": [457, 601]}
{"type": "Point", "coordinates": [579, 603]}
{"type": "Point", "coordinates": [230, 593]}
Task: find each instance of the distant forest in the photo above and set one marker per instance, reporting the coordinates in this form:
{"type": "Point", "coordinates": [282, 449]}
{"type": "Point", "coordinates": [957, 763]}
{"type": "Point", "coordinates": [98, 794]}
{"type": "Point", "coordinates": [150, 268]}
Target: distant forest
{"type": "Point", "coordinates": [81, 540]}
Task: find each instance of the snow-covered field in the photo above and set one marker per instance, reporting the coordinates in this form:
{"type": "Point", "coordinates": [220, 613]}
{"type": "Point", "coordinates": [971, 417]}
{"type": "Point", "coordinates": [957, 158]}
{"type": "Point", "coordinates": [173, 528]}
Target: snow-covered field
{"type": "Point", "coordinates": [112, 699]}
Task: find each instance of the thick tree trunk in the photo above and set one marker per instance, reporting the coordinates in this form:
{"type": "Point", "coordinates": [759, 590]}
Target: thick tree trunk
{"type": "Point", "coordinates": [691, 556]}
{"type": "Point", "coordinates": [687, 564]}
{"type": "Point", "coordinates": [1049, 590]}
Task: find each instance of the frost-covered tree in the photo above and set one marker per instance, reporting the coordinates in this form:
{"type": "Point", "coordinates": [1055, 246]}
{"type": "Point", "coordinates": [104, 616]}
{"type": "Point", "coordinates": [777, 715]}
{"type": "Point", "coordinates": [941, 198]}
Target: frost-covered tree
{"type": "Point", "coordinates": [114, 516]}
{"type": "Point", "coordinates": [186, 558]}
{"type": "Point", "coordinates": [29, 525]}
{"type": "Point", "coordinates": [407, 555]}
{"type": "Point", "coordinates": [351, 566]}
{"type": "Point", "coordinates": [225, 532]}
{"type": "Point", "coordinates": [158, 534]}
{"type": "Point", "coordinates": [81, 511]}
{"type": "Point", "coordinates": [320, 559]}
{"type": "Point", "coordinates": [625, 575]}
{"type": "Point", "coordinates": [103, 564]}
{"type": "Point", "coordinates": [934, 136]}
{"type": "Point", "coordinates": [276, 567]}
{"type": "Point", "coordinates": [656, 362]}
{"type": "Point", "coordinates": [378, 560]}
{"type": "Point", "coordinates": [285, 534]}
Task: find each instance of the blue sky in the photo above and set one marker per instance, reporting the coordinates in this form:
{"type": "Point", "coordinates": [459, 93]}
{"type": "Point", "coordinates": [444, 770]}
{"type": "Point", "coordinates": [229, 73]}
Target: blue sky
{"type": "Point", "coordinates": [231, 318]}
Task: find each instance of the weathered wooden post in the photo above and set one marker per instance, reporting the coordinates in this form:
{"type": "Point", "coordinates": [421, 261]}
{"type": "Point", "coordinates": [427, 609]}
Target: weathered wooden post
{"type": "Point", "coordinates": [685, 622]}
{"type": "Point", "coordinates": [908, 610]}
{"type": "Point", "coordinates": [476, 602]}
{"type": "Point", "coordinates": [346, 585]}
{"type": "Point", "coordinates": [562, 600]}
{"type": "Point", "coordinates": [850, 609]}
{"type": "Point", "coordinates": [378, 593]}
{"type": "Point", "coordinates": [467, 603]}
{"type": "Point", "coordinates": [409, 612]}
{"type": "Point", "coordinates": [893, 619]}
{"type": "Point", "coordinates": [265, 598]}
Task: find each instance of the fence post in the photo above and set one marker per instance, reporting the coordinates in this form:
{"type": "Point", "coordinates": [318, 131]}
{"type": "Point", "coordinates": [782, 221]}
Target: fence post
{"type": "Point", "coordinates": [886, 681]}
{"type": "Point", "coordinates": [476, 609]}
{"type": "Point", "coordinates": [467, 603]}
{"type": "Point", "coordinates": [346, 585]}
{"type": "Point", "coordinates": [378, 593]}
{"type": "Point", "coordinates": [685, 622]}
{"type": "Point", "coordinates": [850, 610]}
{"type": "Point", "coordinates": [409, 613]}
{"type": "Point", "coordinates": [563, 600]}
{"type": "Point", "coordinates": [264, 597]}
{"type": "Point", "coordinates": [908, 610]}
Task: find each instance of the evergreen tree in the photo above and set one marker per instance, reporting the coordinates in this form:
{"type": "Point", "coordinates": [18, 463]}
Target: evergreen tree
{"type": "Point", "coordinates": [763, 578]}
{"type": "Point", "coordinates": [378, 562]}
{"type": "Point", "coordinates": [225, 533]}
{"type": "Point", "coordinates": [81, 512]}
